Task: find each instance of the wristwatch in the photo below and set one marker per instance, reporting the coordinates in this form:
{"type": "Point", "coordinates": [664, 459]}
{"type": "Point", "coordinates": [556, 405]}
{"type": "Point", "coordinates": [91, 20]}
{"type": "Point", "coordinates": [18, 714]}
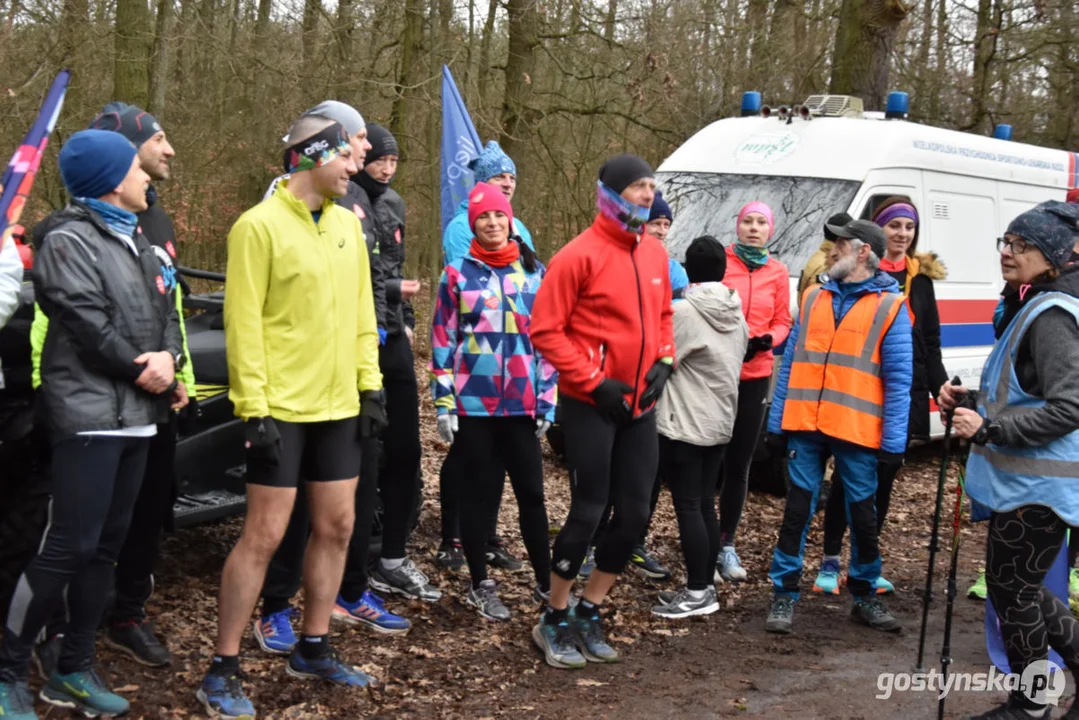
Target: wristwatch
{"type": "Point", "coordinates": [179, 360]}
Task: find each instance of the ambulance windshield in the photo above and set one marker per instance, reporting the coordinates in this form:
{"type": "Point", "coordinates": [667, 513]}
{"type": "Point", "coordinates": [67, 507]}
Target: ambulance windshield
{"type": "Point", "coordinates": [708, 204]}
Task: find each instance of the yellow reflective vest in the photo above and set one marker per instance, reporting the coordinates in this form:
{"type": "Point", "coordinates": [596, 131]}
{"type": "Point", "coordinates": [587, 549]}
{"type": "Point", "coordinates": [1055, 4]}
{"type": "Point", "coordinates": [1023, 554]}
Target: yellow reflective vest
{"type": "Point", "coordinates": [300, 330]}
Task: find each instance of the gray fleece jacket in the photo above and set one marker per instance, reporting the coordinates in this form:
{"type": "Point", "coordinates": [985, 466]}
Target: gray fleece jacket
{"type": "Point", "coordinates": [700, 400]}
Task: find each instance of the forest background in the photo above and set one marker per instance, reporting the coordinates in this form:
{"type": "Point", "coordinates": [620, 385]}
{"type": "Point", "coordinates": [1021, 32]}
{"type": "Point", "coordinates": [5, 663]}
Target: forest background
{"type": "Point", "coordinates": [560, 83]}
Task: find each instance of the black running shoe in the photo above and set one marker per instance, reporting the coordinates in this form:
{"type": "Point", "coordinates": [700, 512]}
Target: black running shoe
{"type": "Point", "coordinates": [137, 640]}
{"type": "Point", "coordinates": [450, 556]}
{"type": "Point", "coordinates": [498, 556]}
{"type": "Point", "coordinates": [647, 564]}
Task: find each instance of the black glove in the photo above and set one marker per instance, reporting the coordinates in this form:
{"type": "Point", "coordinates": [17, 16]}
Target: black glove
{"type": "Point", "coordinates": [756, 345]}
{"type": "Point", "coordinates": [189, 418]}
{"type": "Point", "coordinates": [610, 400]}
{"type": "Point", "coordinates": [889, 462]}
{"type": "Point", "coordinates": [776, 444]}
{"type": "Point", "coordinates": [654, 383]}
{"type": "Point", "coordinates": [262, 440]}
{"type": "Point", "coordinates": [372, 413]}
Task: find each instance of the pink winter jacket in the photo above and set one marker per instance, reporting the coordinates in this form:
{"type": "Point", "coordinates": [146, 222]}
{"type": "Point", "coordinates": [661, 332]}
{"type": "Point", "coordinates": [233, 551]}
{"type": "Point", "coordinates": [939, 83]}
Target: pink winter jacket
{"type": "Point", "coordinates": [766, 304]}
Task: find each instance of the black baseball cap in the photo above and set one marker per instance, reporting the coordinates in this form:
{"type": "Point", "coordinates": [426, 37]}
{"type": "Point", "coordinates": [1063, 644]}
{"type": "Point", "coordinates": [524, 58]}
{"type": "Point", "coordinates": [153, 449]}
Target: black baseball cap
{"type": "Point", "coordinates": [865, 230]}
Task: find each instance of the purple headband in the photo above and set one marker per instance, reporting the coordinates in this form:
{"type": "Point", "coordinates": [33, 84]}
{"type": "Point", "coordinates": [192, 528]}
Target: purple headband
{"type": "Point", "coordinates": [899, 210]}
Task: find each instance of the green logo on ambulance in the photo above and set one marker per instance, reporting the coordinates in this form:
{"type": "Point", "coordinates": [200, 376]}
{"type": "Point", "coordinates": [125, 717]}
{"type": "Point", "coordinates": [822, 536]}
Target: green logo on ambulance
{"type": "Point", "coordinates": [766, 148]}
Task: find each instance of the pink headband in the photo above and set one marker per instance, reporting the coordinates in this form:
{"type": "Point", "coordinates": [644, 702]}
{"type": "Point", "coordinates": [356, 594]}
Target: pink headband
{"type": "Point", "coordinates": [758, 207]}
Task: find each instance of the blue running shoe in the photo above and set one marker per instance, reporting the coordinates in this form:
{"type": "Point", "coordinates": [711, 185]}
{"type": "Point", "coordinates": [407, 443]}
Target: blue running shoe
{"type": "Point", "coordinates": [557, 644]}
{"type": "Point", "coordinates": [370, 611]}
{"type": "Point", "coordinates": [883, 587]}
{"type": "Point", "coordinates": [328, 667]}
{"type": "Point", "coordinates": [16, 702]}
{"type": "Point", "coordinates": [223, 697]}
{"type": "Point", "coordinates": [827, 581]}
{"type": "Point", "coordinates": [274, 632]}
{"type": "Point", "coordinates": [83, 691]}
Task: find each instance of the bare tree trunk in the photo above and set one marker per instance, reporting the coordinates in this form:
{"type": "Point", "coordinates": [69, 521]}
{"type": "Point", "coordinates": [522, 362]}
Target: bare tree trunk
{"type": "Point", "coordinates": [985, 48]}
{"type": "Point", "coordinates": [520, 67]}
{"type": "Point", "coordinates": [263, 22]}
{"type": "Point", "coordinates": [925, 44]}
{"type": "Point", "coordinates": [311, 10]}
{"type": "Point", "coordinates": [159, 62]}
{"type": "Point", "coordinates": [939, 61]}
{"type": "Point", "coordinates": [346, 25]}
{"type": "Point", "coordinates": [610, 20]}
{"type": "Point", "coordinates": [131, 82]}
{"type": "Point", "coordinates": [863, 48]}
{"type": "Point", "coordinates": [411, 49]}
{"type": "Point", "coordinates": [485, 50]}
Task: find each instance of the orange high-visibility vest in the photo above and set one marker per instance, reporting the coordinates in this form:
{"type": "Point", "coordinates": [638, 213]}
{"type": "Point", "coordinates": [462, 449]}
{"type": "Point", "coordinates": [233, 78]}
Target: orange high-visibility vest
{"type": "Point", "coordinates": [835, 384]}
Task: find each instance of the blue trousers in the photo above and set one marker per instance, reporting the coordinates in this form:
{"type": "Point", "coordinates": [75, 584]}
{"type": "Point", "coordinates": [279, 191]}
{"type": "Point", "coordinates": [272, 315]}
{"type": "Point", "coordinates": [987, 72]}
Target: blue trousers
{"type": "Point", "coordinates": [805, 454]}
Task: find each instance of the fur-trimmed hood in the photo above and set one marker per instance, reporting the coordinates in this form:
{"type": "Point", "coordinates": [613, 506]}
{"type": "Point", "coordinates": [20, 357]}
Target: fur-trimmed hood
{"type": "Point", "coordinates": [928, 264]}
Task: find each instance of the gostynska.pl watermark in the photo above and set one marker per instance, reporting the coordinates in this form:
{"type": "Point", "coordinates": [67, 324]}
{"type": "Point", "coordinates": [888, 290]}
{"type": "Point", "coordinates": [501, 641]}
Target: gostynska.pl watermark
{"type": "Point", "coordinates": [1042, 682]}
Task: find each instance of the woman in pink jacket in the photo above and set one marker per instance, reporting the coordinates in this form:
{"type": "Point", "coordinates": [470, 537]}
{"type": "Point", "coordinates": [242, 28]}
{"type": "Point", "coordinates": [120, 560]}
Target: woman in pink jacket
{"type": "Point", "coordinates": [763, 284]}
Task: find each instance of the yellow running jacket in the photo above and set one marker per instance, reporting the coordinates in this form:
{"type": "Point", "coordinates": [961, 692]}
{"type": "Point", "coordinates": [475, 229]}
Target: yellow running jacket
{"type": "Point", "coordinates": [300, 328]}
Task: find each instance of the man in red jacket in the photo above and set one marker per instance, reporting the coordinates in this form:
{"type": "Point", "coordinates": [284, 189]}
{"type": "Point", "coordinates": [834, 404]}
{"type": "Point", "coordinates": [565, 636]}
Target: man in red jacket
{"type": "Point", "coordinates": [602, 317]}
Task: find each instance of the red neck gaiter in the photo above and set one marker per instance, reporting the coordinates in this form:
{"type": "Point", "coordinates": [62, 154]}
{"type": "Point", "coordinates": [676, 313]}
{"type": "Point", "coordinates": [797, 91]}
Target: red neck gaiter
{"type": "Point", "coordinates": [495, 258]}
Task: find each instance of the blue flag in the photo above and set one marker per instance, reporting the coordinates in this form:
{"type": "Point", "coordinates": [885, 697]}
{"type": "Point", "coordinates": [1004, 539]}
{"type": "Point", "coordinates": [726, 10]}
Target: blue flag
{"type": "Point", "coordinates": [460, 144]}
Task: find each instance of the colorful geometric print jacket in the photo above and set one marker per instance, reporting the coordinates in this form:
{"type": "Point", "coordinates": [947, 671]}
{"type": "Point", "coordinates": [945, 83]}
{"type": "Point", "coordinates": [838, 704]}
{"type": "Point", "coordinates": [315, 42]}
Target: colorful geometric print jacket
{"type": "Point", "coordinates": [482, 360]}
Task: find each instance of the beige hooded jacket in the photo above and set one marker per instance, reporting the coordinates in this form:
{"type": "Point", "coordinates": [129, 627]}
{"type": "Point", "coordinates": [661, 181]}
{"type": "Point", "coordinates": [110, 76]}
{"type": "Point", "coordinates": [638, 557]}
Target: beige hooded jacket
{"type": "Point", "coordinates": [700, 400]}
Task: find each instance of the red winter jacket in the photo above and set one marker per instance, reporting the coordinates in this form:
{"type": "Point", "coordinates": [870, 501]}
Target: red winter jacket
{"type": "Point", "coordinates": [766, 303]}
{"type": "Point", "coordinates": [604, 310]}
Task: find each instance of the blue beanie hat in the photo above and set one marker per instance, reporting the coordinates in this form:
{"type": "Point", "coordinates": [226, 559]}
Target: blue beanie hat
{"type": "Point", "coordinates": [492, 161]}
{"type": "Point", "coordinates": [93, 163]}
{"type": "Point", "coordinates": [1053, 227]}
{"type": "Point", "coordinates": [660, 209]}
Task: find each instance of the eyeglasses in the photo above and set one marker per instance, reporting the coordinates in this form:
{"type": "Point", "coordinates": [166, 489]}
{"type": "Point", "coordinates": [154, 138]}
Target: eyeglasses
{"type": "Point", "coordinates": [1017, 246]}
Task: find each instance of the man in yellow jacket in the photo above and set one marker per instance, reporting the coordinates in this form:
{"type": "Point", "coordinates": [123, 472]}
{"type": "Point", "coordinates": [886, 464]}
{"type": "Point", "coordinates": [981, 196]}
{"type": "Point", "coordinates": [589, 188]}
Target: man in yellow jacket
{"type": "Point", "coordinates": [302, 344]}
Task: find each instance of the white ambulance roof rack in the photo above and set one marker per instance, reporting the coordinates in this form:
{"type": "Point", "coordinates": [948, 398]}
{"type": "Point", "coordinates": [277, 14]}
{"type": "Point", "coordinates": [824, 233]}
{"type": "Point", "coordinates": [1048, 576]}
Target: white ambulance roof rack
{"type": "Point", "coordinates": [834, 106]}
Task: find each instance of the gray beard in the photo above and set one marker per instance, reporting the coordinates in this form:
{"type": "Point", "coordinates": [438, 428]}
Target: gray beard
{"type": "Point", "coordinates": [842, 268]}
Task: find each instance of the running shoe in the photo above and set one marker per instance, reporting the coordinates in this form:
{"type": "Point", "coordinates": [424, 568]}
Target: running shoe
{"type": "Point", "coordinates": [274, 632]}
{"type": "Point", "coordinates": [370, 611]}
{"type": "Point", "coordinates": [588, 565]}
{"type": "Point", "coordinates": [883, 587]}
{"type": "Point", "coordinates": [781, 616]}
{"type": "Point", "coordinates": [730, 565]}
{"type": "Point", "coordinates": [827, 581]}
{"type": "Point", "coordinates": [137, 640]}
{"type": "Point", "coordinates": [451, 556]}
{"type": "Point", "coordinates": [223, 697]}
{"type": "Point", "coordinates": [485, 599]}
{"type": "Point", "coordinates": [498, 556]}
{"type": "Point", "coordinates": [47, 656]}
{"type": "Point", "coordinates": [17, 703]}
{"type": "Point", "coordinates": [405, 579]}
{"type": "Point", "coordinates": [557, 643]}
{"type": "Point", "coordinates": [978, 591]}
{"type": "Point", "coordinates": [647, 564]}
{"type": "Point", "coordinates": [872, 612]}
{"type": "Point", "coordinates": [83, 691]}
{"type": "Point", "coordinates": [589, 637]}
{"type": "Point", "coordinates": [688, 603]}
{"type": "Point", "coordinates": [329, 667]}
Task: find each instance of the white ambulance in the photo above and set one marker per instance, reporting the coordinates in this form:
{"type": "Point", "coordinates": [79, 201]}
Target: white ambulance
{"type": "Point", "coordinates": [831, 158]}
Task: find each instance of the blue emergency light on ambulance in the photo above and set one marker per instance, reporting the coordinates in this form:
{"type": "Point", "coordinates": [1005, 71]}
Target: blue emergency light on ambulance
{"type": "Point", "coordinates": [966, 187]}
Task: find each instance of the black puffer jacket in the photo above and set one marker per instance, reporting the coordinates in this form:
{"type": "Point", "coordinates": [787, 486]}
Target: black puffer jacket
{"type": "Point", "coordinates": [389, 213]}
{"type": "Point", "coordinates": [929, 372]}
{"type": "Point", "coordinates": [105, 308]}
{"type": "Point", "coordinates": [357, 201]}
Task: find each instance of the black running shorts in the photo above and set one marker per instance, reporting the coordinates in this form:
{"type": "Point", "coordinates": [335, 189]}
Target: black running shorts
{"type": "Point", "coordinates": [315, 452]}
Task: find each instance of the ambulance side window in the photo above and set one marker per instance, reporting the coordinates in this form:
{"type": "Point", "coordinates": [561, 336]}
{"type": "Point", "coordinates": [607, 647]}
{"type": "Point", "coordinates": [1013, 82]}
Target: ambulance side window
{"type": "Point", "coordinates": [874, 202]}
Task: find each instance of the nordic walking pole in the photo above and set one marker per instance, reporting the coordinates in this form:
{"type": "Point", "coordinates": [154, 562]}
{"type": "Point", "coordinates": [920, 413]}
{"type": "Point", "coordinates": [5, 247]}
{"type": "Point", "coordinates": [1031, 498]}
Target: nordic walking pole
{"type": "Point", "coordinates": [927, 596]}
{"type": "Point", "coordinates": [946, 647]}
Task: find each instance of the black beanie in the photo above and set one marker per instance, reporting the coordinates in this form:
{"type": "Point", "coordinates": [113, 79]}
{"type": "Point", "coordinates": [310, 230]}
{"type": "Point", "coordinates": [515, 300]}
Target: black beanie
{"type": "Point", "coordinates": [706, 260]}
{"type": "Point", "coordinates": [132, 122]}
{"type": "Point", "coordinates": [839, 219]}
{"type": "Point", "coordinates": [621, 171]}
{"type": "Point", "coordinates": [382, 141]}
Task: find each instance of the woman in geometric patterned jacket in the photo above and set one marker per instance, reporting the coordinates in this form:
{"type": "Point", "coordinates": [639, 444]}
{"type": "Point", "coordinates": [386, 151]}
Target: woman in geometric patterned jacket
{"type": "Point", "coordinates": [495, 395]}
